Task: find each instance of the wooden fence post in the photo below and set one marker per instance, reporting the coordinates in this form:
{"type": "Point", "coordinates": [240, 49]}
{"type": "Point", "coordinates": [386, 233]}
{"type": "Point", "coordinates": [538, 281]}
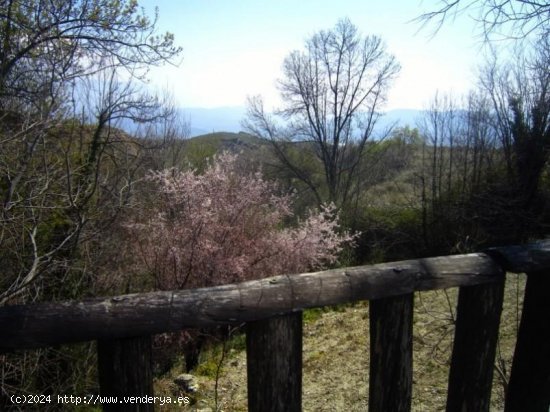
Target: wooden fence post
{"type": "Point", "coordinates": [474, 348]}
{"type": "Point", "coordinates": [125, 370]}
{"type": "Point", "coordinates": [390, 381]}
{"type": "Point", "coordinates": [274, 364]}
{"type": "Point", "coordinates": [529, 386]}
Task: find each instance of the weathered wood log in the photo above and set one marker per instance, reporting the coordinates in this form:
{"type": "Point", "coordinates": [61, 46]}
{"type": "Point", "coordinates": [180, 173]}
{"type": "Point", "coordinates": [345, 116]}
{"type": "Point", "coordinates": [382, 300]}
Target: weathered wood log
{"type": "Point", "coordinates": [41, 325]}
{"type": "Point", "coordinates": [390, 376]}
{"type": "Point", "coordinates": [125, 371]}
{"type": "Point", "coordinates": [529, 385]}
{"type": "Point", "coordinates": [274, 364]}
{"type": "Point", "coordinates": [531, 257]}
{"type": "Point", "coordinates": [474, 348]}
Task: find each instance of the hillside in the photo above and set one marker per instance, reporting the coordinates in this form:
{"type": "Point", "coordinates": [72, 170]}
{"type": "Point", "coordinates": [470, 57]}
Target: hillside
{"type": "Point", "coordinates": [230, 141]}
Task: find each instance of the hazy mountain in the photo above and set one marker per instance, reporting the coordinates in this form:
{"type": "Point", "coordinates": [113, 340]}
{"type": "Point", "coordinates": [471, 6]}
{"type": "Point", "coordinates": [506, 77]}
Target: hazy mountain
{"type": "Point", "coordinates": [228, 119]}
{"type": "Point", "coordinates": [401, 117]}
{"type": "Point", "coordinates": [219, 119]}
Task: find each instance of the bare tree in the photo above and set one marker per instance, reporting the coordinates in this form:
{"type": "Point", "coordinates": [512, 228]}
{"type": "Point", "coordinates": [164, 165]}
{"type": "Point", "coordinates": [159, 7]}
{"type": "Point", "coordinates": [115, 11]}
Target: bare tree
{"type": "Point", "coordinates": [45, 41]}
{"type": "Point", "coordinates": [485, 163]}
{"type": "Point", "coordinates": [515, 19]}
{"type": "Point", "coordinates": [458, 160]}
{"type": "Point", "coordinates": [520, 94]}
{"type": "Point", "coordinates": [332, 92]}
{"type": "Point", "coordinates": [69, 74]}
{"type": "Point", "coordinates": [70, 184]}
{"type": "Point", "coordinates": [60, 98]}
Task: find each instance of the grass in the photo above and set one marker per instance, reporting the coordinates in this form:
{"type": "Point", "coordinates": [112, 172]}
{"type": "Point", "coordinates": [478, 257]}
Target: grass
{"type": "Point", "coordinates": [336, 355]}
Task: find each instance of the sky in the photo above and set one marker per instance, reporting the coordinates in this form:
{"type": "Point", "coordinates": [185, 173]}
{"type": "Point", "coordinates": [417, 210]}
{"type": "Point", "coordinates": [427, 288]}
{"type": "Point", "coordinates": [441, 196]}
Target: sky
{"type": "Point", "coordinates": [233, 49]}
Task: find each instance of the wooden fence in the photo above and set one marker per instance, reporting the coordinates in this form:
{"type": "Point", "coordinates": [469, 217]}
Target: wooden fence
{"type": "Point", "coordinates": [272, 309]}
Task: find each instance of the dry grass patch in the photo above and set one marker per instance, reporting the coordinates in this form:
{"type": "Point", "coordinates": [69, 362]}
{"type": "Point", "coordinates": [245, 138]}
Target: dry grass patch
{"type": "Point", "coordinates": [336, 356]}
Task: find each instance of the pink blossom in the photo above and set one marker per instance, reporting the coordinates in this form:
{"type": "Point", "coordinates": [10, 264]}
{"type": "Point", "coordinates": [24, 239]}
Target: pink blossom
{"type": "Point", "coordinates": [223, 226]}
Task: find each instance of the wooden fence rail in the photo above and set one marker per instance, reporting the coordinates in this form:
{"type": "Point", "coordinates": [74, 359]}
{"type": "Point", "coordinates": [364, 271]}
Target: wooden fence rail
{"type": "Point", "coordinates": [272, 307]}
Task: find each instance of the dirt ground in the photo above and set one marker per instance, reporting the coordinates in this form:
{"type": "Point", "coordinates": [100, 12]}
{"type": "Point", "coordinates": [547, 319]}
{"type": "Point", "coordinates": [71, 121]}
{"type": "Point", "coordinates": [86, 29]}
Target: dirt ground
{"type": "Point", "coordinates": [336, 357]}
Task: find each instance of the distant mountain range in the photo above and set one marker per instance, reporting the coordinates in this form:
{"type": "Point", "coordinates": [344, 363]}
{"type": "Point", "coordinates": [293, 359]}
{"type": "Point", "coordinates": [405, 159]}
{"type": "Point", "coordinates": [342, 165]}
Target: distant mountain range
{"type": "Point", "coordinates": [213, 120]}
{"type": "Point", "coordinates": [228, 119]}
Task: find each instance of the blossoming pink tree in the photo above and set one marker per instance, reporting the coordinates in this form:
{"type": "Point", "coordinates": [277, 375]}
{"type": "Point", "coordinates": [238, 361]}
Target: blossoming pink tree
{"type": "Point", "coordinates": [224, 226]}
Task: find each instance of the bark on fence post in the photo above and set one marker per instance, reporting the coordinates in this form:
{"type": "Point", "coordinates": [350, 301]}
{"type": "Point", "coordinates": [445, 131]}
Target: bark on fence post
{"type": "Point", "coordinates": [274, 364]}
{"type": "Point", "coordinates": [390, 381]}
{"type": "Point", "coordinates": [474, 348]}
{"type": "Point", "coordinates": [529, 386]}
{"type": "Point", "coordinates": [125, 370]}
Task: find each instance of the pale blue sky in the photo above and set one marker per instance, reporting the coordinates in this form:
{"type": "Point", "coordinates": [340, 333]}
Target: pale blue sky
{"type": "Point", "coordinates": [235, 48]}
